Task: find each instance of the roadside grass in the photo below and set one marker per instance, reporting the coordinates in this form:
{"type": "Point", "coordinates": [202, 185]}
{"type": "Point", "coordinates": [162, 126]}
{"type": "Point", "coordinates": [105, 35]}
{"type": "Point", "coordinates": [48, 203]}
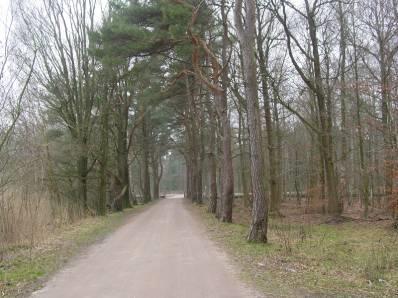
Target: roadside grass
{"type": "Point", "coordinates": [24, 269]}
{"type": "Point", "coordinates": [349, 259]}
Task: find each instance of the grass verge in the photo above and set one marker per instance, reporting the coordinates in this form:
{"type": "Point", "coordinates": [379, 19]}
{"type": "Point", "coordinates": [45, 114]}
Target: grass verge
{"type": "Point", "coordinates": [25, 269]}
{"type": "Point", "coordinates": [350, 259]}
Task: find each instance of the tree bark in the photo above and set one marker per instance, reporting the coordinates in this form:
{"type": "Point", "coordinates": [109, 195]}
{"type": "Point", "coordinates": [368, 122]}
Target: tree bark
{"type": "Point", "coordinates": [246, 36]}
{"type": "Point", "coordinates": [155, 160]}
{"type": "Point", "coordinates": [82, 168]}
{"type": "Point", "coordinates": [104, 126]}
{"type": "Point", "coordinates": [242, 160]}
{"type": "Point", "coordinates": [212, 207]}
{"type": "Point", "coordinates": [343, 94]}
{"type": "Point", "coordinates": [145, 160]}
{"type": "Point", "coordinates": [364, 179]}
{"type": "Point", "coordinates": [263, 62]}
{"type": "Point", "coordinates": [227, 168]}
{"type": "Point", "coordinates": [122, 151]}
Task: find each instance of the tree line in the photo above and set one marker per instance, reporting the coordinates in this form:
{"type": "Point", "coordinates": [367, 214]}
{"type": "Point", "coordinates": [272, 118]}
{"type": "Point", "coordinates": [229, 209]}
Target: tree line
{"type": "Point", "coordinates": [272, 99]}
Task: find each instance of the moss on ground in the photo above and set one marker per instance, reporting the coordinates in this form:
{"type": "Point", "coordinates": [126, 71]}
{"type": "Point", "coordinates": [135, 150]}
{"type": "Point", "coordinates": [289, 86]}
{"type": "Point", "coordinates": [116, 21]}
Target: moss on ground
{"type": "Point", "coordinates": [349, 259]}
{"type": "Point", "coordinates": [25, 269]}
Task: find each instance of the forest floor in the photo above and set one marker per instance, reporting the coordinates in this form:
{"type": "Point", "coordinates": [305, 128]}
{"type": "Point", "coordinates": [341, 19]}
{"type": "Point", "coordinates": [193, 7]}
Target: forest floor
{"type": "Point", "coordinates": [312, 254]}
{"type": "Point", "coordinates": [24, 268]}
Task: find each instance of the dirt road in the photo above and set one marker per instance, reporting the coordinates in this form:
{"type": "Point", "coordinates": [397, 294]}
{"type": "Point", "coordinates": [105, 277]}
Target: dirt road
{"type": "Point", "coordinates": [162, 252]}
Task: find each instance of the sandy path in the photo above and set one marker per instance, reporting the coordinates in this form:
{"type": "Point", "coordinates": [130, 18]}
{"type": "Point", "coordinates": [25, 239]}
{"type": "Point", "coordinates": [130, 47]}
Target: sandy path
{"type": "Point", "coordinates": [162, 252]}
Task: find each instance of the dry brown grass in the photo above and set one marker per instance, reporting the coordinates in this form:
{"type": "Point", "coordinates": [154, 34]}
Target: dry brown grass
{"type": "Point", "coordinates": [26, 219]}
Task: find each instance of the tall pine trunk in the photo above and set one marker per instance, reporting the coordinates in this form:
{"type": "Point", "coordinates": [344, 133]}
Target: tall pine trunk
{"type": "Point", "coordinates": [212, 207]}
{"type": "Point", "coordinates": [246, 35]}
{"type": "Point", "coordinates": [146, 181]}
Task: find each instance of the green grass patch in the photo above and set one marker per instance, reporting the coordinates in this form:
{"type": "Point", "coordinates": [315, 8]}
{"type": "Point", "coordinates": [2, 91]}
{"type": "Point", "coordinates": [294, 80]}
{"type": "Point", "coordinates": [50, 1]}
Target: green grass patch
{"type": "Point", "coordinates": [25, 269]}
{"type": "Point", "coordinates": [351, 259]}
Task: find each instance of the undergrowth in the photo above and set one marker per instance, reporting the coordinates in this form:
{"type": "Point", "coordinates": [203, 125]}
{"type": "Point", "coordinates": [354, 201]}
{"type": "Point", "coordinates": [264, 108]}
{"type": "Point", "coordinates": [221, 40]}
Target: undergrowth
{"type": "Point", "coordinates": [349, 259]}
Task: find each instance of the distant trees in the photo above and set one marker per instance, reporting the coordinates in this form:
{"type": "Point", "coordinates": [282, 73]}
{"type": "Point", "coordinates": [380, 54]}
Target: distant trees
{"type": "Point", "coordinates": [66, 71]}
{"type": "Point", "coordinates": [13, 88]}
{"type": "Point", "coordinates": [317, 85]}
{"type": "Point", "coordinates": [378, 27]}
{"type": "Point", "coordinates": [266, 40]}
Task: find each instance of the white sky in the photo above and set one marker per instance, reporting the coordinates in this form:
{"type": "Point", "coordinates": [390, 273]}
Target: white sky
{"type": "Point", "coordinates": [3, 6]}
{"type": "Point", "coordinates": [4, 17]}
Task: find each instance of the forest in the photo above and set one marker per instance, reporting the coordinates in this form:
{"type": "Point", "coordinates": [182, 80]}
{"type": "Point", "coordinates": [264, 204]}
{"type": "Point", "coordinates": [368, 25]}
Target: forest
{"type": "Point", "coordinates": [268, 115]}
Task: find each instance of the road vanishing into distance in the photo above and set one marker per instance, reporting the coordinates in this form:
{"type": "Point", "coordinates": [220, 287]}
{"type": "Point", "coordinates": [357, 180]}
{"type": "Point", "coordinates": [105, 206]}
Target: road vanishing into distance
{"type": "Point", "coordinates": [161, 252]}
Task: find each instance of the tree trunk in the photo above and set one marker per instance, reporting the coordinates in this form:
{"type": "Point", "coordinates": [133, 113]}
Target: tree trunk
{"type": "Point", "coordinates": [246, 36]}
{"type": "Point", "coordinates": [242, 161]}
{"type": "Point", "coordinates": [263, 62]}
{"type": "Point", "coordinates": [101, 207]}
{"type": "Point", "coordinates": [222, 103]}
{"type": "Point", "coordinates": [334, 205]}
{"type": "Point", "coordinates": [122, 152]}
{"type": "Point", "coordinates": [212, 207]}
{"type": "Point", "coordinates": [213, 174]}
{"type": "Point", "coordinates": [194, 182]}
{"type": "Point", "coordinates": [145, 161]}
{"type": "Point", "coordinates": [279, 149]}
{"type": "Point", "coordinates": [296, 177]}
{"type": "Point", "coordinates": [82, 168]}
{"type": "Point", "coordinates": [343, 94]}
{"type": "Point", "coordinates": [155, 176]}
{"type": "Point", "coordinates": [364, 179]}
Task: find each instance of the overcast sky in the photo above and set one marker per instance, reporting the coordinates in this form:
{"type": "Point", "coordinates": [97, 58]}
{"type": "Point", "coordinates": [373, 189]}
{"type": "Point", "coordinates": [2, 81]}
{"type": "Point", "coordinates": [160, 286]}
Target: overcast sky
{"type": "Point", "coordinates": [3, 17]}
{"type": "Point", "coordinates": [3, 7]}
